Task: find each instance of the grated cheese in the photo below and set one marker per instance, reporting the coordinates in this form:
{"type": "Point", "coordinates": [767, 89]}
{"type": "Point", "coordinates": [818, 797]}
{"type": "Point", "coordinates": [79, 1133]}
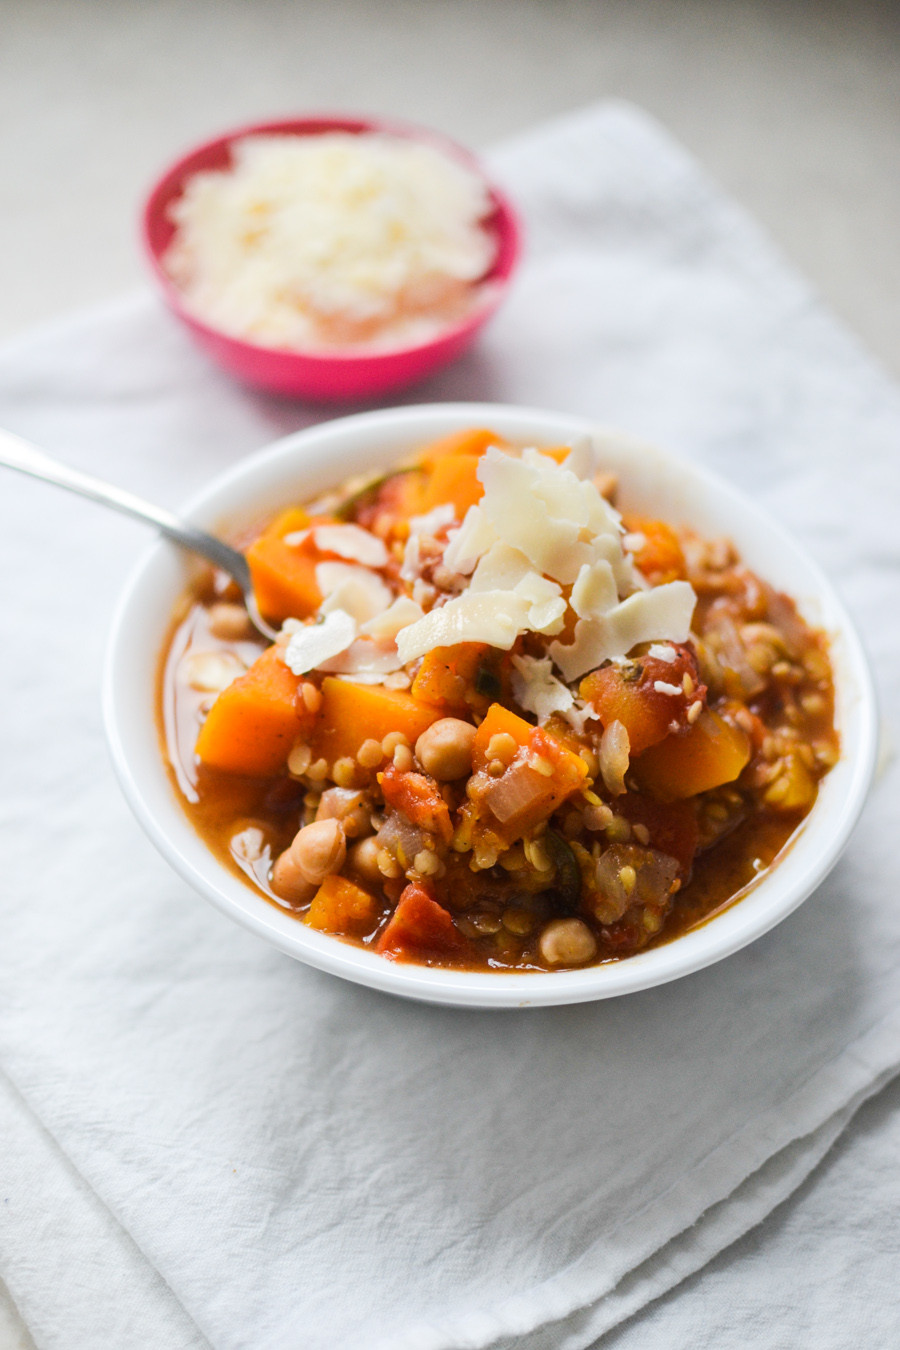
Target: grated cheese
{"type": "Point", "coordinates": [332, 240]}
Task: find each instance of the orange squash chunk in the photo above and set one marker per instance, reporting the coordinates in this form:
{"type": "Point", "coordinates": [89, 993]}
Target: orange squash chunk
{"type": "Point", "coordinates": [546, 791]}
{"type": "Point", "coordinates": [353, 713]}
{"type": "Point", "coordinates": [704, 756]}
{"type": "Point", "coordinates": [254, 722]}
{"type": "Point", "coordinates": [473, 441]}
{"type": "Point", "coordinates": [499, 721]}
{"type": "Point", "coordinates": [340, 906]}
{"type": "Point", "coordinates": [446, 673]}
{"type": "Point", "coordinates": [660, 557]}
{"type": "Point", "coordinates": [568, 766]}
{"type": "Point", "coordinates": [453, 479]}
{"type": "Point", "coordinates": [284, 577]}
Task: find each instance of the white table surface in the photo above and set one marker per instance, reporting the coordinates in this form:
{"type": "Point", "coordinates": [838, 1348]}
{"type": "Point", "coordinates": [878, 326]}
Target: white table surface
{"type": "Point", "coordinates": [794, 107]}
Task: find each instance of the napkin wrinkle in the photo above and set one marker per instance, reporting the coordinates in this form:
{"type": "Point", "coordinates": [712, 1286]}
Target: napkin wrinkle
{"type": "Point", "coordinates": [719, 1227]}
{"type": "Point", "coordinates": [570, 1291]}
{"type": "Point", "coordinates": [145, 1310]}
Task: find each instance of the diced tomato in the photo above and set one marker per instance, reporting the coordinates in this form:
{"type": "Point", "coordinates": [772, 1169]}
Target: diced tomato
{"type": "Point", "coordinates": [672, 827]}
{"type": "Point", "coordinates": [422, 930]}
{"type": "Point", "coordinates": [397, 496]}
{"type": "Point", "coordinates": [417, 798]}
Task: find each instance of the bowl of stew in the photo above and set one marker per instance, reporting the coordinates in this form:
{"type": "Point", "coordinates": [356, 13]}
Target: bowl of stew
{"type": "Point", "coordinates": [330, 257]}
{"type": "Point", "coordinates": [553, 715]}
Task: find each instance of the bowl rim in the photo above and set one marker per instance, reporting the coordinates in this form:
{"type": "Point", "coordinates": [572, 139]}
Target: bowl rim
{"type": "Point", "coordinates": [811, 854]}
{"type": "Point", "coordinates": [507, 227]}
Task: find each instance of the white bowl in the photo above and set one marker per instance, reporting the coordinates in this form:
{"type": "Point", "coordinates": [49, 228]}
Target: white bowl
{"type": "Point", "coordinates": [652, 482]}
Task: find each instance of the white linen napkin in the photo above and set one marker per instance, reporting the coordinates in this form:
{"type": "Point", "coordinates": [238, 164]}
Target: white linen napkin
{"type": "Point", "coordinates": [207, 1143]}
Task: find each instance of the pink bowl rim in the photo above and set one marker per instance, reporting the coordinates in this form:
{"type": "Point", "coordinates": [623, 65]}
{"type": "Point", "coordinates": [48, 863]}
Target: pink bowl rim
{"type": "Point", "coordinates": [507, 227]}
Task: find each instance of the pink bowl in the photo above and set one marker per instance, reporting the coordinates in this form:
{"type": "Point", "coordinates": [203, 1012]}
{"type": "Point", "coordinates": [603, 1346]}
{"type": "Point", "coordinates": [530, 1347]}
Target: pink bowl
{"type": "Point", "coordinates": [316, 375]}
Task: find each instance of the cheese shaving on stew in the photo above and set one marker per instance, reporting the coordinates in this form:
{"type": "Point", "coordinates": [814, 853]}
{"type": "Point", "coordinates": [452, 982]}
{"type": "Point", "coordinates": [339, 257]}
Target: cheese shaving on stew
{"type": "Point", "coordinates": [311, 644]}
{"type": "Point", "coordinates": [495, 617]}
{"type": "Point", "coordinates": [538, 530]}
{"type": "Point", "coordinates": [351, 542]}
{"type": "Point", "coordinates": [347, 586]}
{"type": "Point", "coordinates": [662, 611]}
{"type": "Point", "coordinates": [537, 689]}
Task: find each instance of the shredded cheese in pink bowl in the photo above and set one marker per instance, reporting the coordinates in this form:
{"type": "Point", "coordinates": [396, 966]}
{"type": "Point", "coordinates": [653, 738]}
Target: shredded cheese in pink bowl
{"type": "Point", "coordinates": [331, 258]}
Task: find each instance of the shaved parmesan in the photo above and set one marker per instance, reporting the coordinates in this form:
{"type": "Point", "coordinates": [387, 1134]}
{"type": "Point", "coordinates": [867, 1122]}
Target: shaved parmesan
{"type": "Point", "coordinates": [663, 687]}
{"type": "Point", "coordinates": [595, 590]}
{"type": "Point", "coordinates": [525, 511]}
{"type": "Point", "coordinates": [399, 615]}
{"type": "Point", "coordinates": [412, 559]}
{"type": "Point", "coordinates": [542, 540]}
{"type": "Point", "coordinates": [353, 542]}
{"type": "Point", "coordinates": [433, 521]}
{"type": "Point", "coordinates": [466, 545]}
{"type": "Point", "coordinates": [423, 592]}
{"type": "Point", "coordinates": [501, 569]}
{"type": "Point", "coordinates": [661, 652]}
{"type": "Point", "coordinates": [495, 617]}
{"type": "Point", "coordinates": [580, 459]}
{"type": "Point", "coordinates": [360, 677]}
{"type": "Point", "coordinates": [579, 715]}
{"type": "Point", "coordinates": [548, 607]}
{"type": "Point", "coordinates": [346, 586]}
{"type": "Point", "coordinates": [537, 689]}
{"type": "Point", "coordinates": [661, 612]}
{"type": "Point", "coordinates": [311, 644]}
{"type": "Point", "coordinates": [365, 656]}
{"type": "Point", "coordinates": [296, 538]}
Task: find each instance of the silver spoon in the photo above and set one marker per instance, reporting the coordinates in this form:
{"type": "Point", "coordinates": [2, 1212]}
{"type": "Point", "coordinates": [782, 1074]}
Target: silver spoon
{"type": "Point", "coordinates": [17, 453]}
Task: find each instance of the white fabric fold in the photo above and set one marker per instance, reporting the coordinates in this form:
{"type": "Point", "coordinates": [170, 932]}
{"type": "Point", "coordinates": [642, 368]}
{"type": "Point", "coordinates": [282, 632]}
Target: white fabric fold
{"type": "Point", "coordinates": [271, 1157]}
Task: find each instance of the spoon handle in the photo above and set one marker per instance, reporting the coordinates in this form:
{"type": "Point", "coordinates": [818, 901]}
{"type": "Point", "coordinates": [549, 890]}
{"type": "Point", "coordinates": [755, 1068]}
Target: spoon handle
{"type": "Point", "coordinates": [17, 453]}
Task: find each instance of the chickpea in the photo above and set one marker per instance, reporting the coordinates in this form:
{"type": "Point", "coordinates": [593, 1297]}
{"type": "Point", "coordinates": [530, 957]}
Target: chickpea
{"type": "Point", "coordinates": [346, 806]}
{"type": "Point", "coordinates": [211, 672]}
{"type": "Point", "coordinates": [567, 942]}
{"type": "Point", "coordinates": [229, 622]}
{"type": "Point", "coordinates": [364, 859]}
{"type": "Point", "coordinates": [445, 749]}
{"type": "Point", "coordinates": [315, 852]}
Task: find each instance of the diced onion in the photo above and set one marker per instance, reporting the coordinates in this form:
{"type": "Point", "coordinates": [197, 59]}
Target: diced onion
{"type": "Point", "coordinates": [513, 794]}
